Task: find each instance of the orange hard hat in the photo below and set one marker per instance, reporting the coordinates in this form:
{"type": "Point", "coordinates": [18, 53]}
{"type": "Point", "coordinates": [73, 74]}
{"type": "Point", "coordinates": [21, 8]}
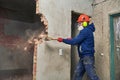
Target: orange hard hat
{"type": "Point", "coordinates": [83, 17]}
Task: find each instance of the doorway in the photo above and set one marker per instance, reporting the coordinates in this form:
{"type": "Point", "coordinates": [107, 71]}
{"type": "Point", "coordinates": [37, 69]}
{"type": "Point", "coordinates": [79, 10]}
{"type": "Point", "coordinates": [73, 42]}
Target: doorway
{"type": "Point", "coordinates": [115, 46]}
{"type": "Point", "coordinates": [74, 32]}
{"type": "Point", "coordinates": [74, 53]}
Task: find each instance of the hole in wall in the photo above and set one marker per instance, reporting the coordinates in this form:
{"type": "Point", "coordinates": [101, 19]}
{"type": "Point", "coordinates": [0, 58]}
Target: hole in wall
{"type": "Point", "coordinates": [21, 29]}
{"type": "Point", "coordinates": [74, 55]}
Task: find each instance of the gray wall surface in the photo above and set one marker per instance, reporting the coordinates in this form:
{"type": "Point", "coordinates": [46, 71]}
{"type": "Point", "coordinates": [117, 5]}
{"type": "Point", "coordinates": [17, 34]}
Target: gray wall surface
{"type": "Point", "coordinates": [102, 10]}
{"type": "Point", "coordinates": [51, 65]}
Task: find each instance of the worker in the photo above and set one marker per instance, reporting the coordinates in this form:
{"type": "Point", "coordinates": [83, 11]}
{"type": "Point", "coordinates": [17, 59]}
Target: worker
{"type": "Point", "coordinates": [85, 44]}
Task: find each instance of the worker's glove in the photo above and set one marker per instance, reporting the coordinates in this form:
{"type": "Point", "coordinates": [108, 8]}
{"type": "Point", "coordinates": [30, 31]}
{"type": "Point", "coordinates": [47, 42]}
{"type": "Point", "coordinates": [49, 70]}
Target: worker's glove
{"type": "Point", "coordinates": [60, 39]}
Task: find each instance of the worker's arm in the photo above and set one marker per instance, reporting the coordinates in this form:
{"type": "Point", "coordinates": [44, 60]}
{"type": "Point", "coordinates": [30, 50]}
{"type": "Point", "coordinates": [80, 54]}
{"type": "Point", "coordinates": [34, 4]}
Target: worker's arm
{"type": "Point", "coordinates": [78, 39]}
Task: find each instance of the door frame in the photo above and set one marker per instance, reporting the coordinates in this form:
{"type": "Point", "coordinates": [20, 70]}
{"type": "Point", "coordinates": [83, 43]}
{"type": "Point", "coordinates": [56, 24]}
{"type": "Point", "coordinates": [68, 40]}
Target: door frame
{"type": "Point", "coordinates": [112, 47]}
{"type": "Point", "coordinates": [74, 57]}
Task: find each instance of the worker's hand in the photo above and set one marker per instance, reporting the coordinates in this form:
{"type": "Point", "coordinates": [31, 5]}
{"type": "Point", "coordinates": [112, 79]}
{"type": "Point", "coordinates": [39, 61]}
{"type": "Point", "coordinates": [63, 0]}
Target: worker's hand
{"type": "Point", "coordinates": [91, 21]}
{"type": "Point", "coordinates": [60, 39]}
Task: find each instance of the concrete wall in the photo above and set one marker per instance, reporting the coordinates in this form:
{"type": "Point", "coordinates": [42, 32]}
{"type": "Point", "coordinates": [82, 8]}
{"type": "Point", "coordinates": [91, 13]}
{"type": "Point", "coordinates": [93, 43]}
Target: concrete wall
{"type": "Point", "coordinates": [102, 9]}
{"type": "Point", "coordinates": [51, 65]}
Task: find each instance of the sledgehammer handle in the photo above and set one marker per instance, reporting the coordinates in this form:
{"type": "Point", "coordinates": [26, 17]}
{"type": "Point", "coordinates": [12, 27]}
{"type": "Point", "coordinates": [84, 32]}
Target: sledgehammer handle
{"type": "Point", "coordinates": [50, 38]}
{"type": "Point", "coordinates": [53, 39]}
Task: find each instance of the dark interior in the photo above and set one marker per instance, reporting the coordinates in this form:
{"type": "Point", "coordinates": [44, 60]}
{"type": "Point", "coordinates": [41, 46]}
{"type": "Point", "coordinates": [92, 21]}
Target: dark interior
{"type": "Point", "coordinates": [23, 9]}
{"type": "Point", "coordinates": [18, 22]}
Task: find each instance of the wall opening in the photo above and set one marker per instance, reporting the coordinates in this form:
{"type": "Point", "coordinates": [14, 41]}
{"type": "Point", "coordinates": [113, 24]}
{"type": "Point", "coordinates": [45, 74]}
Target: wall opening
{"type": "Point", "coordinates": [74, 54]}
{"type": "Point", "coordinates": [21, 29]}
